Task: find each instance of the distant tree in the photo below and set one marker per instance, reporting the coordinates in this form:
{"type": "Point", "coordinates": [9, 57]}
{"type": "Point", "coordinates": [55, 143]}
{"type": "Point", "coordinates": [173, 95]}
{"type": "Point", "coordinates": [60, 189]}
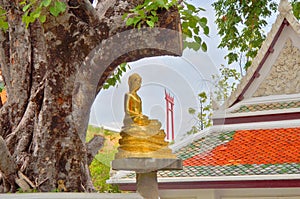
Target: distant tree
{"type": "Point", "coordinates": [202, 117]}
{"type": "Point", "coordinates": [224, 84]}
{"type": "Point", "coordinates": [296, 8]}
{"type": "Point", "coordinates": [241, 26]}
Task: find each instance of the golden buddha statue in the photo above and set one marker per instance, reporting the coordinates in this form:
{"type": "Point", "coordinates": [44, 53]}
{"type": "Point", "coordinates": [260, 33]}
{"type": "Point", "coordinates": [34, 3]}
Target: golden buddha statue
{"type": "Point", "coordinates": [140, 136]}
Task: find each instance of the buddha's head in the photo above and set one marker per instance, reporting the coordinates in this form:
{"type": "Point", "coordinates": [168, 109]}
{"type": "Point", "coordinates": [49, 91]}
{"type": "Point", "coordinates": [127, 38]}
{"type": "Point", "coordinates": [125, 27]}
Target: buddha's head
{"type": "Point", "coordinates": [134, 82]}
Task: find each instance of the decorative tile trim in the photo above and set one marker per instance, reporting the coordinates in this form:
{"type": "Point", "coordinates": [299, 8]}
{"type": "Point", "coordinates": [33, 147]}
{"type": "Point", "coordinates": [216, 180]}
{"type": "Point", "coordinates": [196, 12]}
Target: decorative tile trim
{"type": "Point", "coordinates": [267, 106]}
{"type": "Point", "coordinates": [233, 170]}
{"type": "Point", "coordinates": [230, 170]}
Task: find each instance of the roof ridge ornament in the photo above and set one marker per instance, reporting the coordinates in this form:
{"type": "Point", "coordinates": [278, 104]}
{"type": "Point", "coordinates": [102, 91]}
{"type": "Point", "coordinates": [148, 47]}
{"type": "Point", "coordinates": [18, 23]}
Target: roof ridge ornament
{"type": "Point", "coordinates": [285, 7]}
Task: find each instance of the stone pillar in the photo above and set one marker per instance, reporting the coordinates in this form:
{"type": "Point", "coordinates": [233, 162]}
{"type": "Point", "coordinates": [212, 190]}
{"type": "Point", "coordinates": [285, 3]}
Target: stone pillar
{"type": "Point", "coordinates": [147, 185]}
{"type": "Point", "coordinates": [146, 170]}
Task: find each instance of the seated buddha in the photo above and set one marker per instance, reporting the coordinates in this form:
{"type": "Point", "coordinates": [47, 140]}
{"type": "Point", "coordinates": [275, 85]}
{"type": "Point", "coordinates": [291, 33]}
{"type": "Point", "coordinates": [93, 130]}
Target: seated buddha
{"type": "Point", "coordinates": [140, 136]}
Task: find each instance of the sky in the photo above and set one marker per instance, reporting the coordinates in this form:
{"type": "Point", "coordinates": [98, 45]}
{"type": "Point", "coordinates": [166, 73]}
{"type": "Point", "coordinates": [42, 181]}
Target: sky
{"type": "Point", "coordinates": [183, 77]}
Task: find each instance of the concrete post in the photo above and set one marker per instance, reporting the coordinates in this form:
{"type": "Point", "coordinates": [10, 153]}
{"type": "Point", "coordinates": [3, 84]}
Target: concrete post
{"type": "Point", "coordinates": [146, 172]}
{"type": "Point", "coordinates": [147, 185]}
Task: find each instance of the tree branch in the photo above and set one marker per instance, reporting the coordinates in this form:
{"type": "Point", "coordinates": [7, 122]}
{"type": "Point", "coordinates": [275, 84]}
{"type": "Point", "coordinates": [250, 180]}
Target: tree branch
{"type": "Point", "coordinates": [103, 5]}
{"type": "Point", "coordinates": [120, 44]}
{"type": "Point", "coordinates": [84, 10]}
{"type": "Point", "coordinates": [4, 57]}
{"type": "Point", "coordinates": [7, 165]}
{"type": "Point", "coordinates": [93, 147]}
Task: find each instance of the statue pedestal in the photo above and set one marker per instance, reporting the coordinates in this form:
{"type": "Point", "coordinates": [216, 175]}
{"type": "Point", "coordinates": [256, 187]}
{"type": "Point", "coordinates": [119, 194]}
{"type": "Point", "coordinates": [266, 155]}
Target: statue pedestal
{"type": "Point", "coordinates": [146, 172]}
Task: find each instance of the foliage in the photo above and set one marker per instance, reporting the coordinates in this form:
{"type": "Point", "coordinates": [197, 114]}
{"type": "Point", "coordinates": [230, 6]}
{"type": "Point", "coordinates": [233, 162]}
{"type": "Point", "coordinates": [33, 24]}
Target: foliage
{"type": "Point", "coordinates": [192, 24]}
{"type": "Point", "coordinates": [20, 190]}
{"type": "Point", "coordinates": [38, 10]}
{"type": "Point", "coordinates": [296, 8]}
{"type": "Point", "coordinates": [100, 173]}
{"type": "Point", "coordinates": [240, 25]}
{"type": "Point", "coordinates": [100, 170]}
{"type": "Point", "coordinates": [116, 77]}
{"type": "Point", "coordinates": [225, 84]}
{"type": "Point", "coordinates": [2, 87]}
{"type": "Point", "coordinates": [3, 21]}
{"type": "Point", "coordinates": [202, 117]}
{"type": "Point", "coordinates": [147, 14]}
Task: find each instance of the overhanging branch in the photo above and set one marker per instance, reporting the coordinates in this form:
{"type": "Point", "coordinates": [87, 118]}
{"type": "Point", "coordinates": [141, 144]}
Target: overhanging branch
{"type": "Point", "coordinates": [93, 147]}
{"type": "Point", "coordinates": [7, 165]}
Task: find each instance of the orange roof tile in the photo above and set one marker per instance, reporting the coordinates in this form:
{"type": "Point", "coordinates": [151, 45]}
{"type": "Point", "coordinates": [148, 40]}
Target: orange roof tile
{"type": "Point", "coordinates": [265, 146]}
{"type": "Point", "coordinates": [240, 153]}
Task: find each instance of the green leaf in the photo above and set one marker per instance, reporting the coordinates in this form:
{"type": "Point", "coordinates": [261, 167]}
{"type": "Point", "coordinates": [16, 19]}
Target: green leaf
{"type": "Point", "coordinates": [188, 32]}
{"type": "Point", "coordinates": [153, 12]}
{"type": "Point", "coordinates": [204, 47]}
{"type": "Point", "coordinates": [123, 66]}
{"type": "Point", "coordinates": [191, 7]}
{"type": "Point", "coordinates": [3, 22]}
{"type": "Point", "coordinates": [136, 20]}
{"type": "Point", "coordinates": [58, 8]}
{"type": "Point", "coordinates": [141, 13]}
{"type": "Point", "coordinates": [27, 19]}
{"type": "Point", "coordinates": [150, 23]}
{"type": "Point", "coordinates": [196, 30]}
{"type": "Point", "coordinates": [206, 30]}
{"type": "Point", "coordinates": [195, 46]}
{"type": "Point", "coordinates": [1, 86]}
{"type": "Point", "coordinates": [161, 3]}
{"type": "Point", "coordinates": [296, 9]}
{"type": "Point", "coordinates": [193, 23]}
{"type": "Point", "coordinates": [129, 21]}
{"type": "Point", "coordinates": [36, 14]}
{"type": "Point", "coordinates": [54, 11]}
{"type": "Point", "coordinates": [203, 20]}
{"type": "Point", "coordinates": [22, 2]}
{"type": "Point", "coordinates": [111, 81]}
{"type": "Point", "coordinates": [192, 111]}
{"type": "Point", "coordinates": [26, 7]}
{"type": "Point", "coordinates": [185, 25]}
{"type": "Point", "coordinates": [124, 16]}
{"type": "Point", "coordinates": [4, 25]}
{"type": "Point", "coordinates": [106, 86]}
{"type": "Point", "coordinates": [202, 95]}
{"type": "Point", "coordinates": [46, 3]}
{"type": "Point", "coordinates": [198, 39]}
{"type": "Point", "coordinates": [42, 18]}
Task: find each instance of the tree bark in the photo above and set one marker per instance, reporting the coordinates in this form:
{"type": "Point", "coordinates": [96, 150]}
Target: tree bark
{"type": "Point", "coordinates": [53, 72]}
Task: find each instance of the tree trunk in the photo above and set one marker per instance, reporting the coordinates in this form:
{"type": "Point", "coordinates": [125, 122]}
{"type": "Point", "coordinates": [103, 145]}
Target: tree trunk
{"type": "Point", "coordinates": [53, 72]}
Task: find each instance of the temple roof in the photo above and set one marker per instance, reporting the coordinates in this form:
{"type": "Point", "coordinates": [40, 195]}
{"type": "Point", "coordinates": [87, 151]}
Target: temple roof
{"type": "Point", "coordinates": [256, 134]}
{"type": "Point", "coordinates": [244, 152]}
{"type": "Point", "coordinates": [261, 152]}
